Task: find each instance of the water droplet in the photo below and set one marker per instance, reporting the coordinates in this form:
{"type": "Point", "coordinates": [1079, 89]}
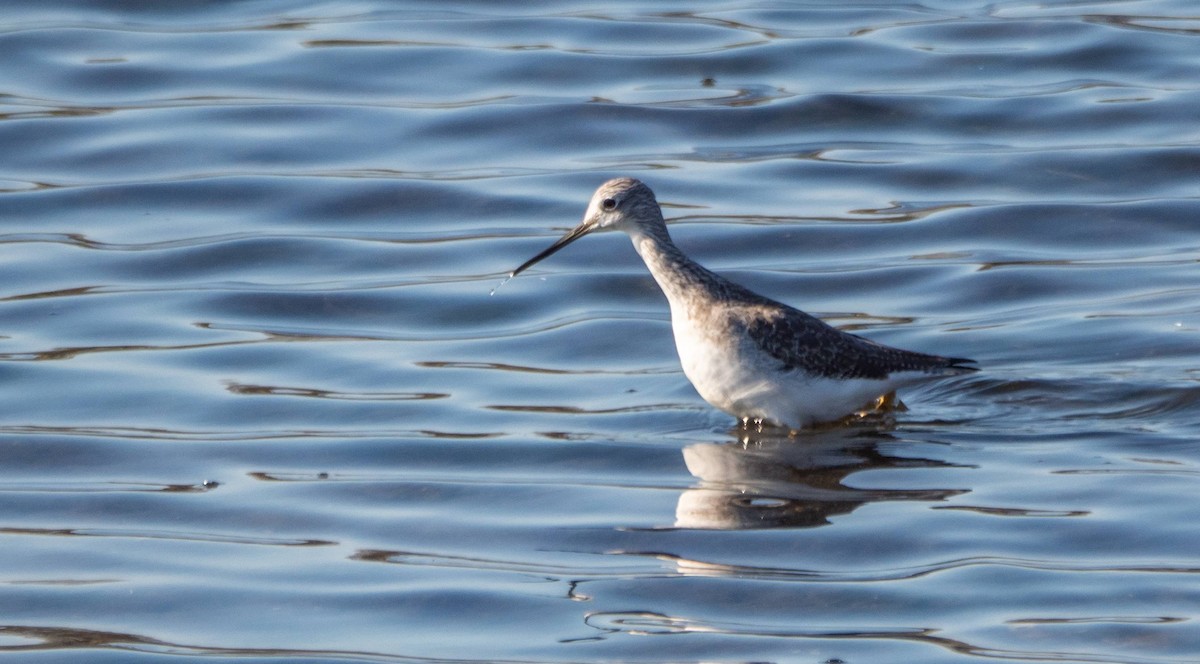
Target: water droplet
{"type": "Point", "coordinates": [506, 280]}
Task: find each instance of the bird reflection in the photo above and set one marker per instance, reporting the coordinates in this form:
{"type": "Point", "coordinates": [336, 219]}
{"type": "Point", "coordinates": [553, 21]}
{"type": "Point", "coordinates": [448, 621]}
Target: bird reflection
{"type": "Point", "coordinates": [766, 480]}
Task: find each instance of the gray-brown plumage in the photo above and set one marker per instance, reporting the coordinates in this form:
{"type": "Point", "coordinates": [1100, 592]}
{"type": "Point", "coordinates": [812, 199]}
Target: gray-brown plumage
{"type": "Point", "coordinates": [746, 354]}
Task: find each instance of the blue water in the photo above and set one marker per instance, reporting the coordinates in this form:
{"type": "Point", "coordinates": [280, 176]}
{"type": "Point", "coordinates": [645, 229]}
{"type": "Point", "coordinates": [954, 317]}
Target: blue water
{"type": "Point", "coordinates": [259, 405]}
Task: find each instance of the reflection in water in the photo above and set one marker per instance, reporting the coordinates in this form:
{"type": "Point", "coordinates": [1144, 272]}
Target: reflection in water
{"type": "Point", "coordinates": [771, 481]}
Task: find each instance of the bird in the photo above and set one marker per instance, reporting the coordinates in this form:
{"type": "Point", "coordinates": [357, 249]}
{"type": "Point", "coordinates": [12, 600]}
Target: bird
{"type": "Point", "coordinates": [759, 360]}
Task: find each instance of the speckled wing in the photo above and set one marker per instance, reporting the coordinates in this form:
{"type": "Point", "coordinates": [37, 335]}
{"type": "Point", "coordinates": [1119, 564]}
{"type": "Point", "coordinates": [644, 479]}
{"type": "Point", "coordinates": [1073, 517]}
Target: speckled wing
{"type": "Point", "coordinates": [804, 342]}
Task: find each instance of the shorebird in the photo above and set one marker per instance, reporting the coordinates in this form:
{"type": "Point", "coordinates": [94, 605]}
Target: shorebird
{"type": "Point", "coordinates": [750, 356]}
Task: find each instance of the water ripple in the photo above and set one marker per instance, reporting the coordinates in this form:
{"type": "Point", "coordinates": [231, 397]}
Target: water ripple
{"type": "Point", "coordinates": [706, 568]}
{"type": "Point", "coordinates": [141, 433]}
{"type": "Point", "coordinates": [105, 487]}
{"type": "Point", "coordinates": [34, 638]}
{"type": "Point", "coordinates": [164, 535]}
{"type": "Point", "coordinates": [658, 624]}
{"type": "Point", "coordinates": [312, 392]}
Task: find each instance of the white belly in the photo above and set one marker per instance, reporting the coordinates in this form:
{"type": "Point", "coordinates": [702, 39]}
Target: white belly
{"type": "Point", "coordinates": [741, 380]}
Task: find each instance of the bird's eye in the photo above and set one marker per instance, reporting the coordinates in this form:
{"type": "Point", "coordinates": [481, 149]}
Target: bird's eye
{"type": "Point", "coordinates": [609, 204]}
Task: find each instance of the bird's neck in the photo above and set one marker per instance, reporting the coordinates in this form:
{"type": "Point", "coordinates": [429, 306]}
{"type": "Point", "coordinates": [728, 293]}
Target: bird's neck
{"type": "Point", "coordinates": [679, 277]}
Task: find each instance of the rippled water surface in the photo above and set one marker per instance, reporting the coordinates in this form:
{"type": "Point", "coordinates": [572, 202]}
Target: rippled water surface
{"type": "Point", "coordinates": [259, 404]}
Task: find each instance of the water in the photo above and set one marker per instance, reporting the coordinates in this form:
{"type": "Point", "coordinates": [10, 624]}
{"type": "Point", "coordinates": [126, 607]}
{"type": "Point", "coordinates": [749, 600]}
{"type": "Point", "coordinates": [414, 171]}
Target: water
{"type": "Point", "coordinates": [260, 407]}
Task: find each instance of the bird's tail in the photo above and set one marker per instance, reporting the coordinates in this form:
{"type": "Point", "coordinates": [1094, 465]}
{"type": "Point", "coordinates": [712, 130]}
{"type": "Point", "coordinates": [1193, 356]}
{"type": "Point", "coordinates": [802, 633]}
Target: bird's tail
{"type": "Point", "coordinates": [957, 365]}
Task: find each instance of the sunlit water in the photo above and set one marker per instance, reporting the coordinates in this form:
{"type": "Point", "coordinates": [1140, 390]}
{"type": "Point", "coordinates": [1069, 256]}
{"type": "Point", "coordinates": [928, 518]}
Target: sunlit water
{"type": "Point", "coordinates": [260, 406]}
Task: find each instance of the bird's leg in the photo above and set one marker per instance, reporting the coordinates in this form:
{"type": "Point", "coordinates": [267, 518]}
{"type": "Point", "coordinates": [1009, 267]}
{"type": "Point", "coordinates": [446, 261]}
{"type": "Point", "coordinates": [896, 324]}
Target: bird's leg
{"type": "Point", "coordinates": [886, 403]}
{"type": "Point", "coordinates": [754, 424]}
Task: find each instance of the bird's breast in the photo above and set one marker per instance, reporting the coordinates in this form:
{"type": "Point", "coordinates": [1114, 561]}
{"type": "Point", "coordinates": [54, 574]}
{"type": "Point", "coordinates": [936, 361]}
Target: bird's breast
{"type": "Point", "coordinates": [717, 359]}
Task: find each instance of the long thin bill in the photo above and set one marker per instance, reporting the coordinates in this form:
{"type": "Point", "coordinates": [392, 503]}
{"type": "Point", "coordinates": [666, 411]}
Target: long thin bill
{"type": "Point", "coordinates": [576, 233]}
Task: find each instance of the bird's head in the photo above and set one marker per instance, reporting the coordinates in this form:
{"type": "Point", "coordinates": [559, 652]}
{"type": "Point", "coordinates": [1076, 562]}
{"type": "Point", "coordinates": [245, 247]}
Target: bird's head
{"type": "Point", "coordinates": [623, 204]}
